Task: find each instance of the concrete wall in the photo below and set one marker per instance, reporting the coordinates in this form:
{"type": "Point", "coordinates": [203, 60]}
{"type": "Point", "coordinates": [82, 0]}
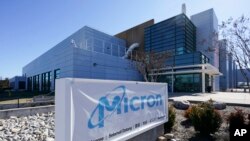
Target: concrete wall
{"type": "Point", "coordinates": [26, 111]}
{"type": "Point", "coordinates": [150, 135]}
{"type": "Point", "coordinates": [88, 53]}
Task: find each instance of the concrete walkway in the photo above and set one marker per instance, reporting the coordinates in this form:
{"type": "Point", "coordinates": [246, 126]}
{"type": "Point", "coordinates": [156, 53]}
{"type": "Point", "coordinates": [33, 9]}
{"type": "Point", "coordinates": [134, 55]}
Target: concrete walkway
{"type": "Point", "coordinates": [230, 98]}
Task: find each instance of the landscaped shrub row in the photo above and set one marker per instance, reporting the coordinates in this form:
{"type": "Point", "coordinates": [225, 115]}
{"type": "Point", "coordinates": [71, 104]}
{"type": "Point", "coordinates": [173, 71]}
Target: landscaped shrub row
{"type": "Point", "coordinates": [171, 119]}
{"type": "Point", "coordinates": [238, 120]}
{"type": "Point", "coordinates": [204, 118]}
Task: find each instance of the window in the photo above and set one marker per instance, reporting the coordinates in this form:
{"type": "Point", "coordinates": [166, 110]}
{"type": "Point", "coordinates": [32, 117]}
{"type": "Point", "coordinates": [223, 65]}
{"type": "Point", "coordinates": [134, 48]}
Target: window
{"type": "Point", "coordinates": [46, 81]}
{"type": "Point", "coordinates": [180, 50]}
{"type": "Point", "coordinates": [29, 83]}
{"type": "Point", "coordinates": [114, 50]}
{"type": "Point", "coordinates": [187, 83]}
{"type": "Point", "coordinates": [98, 45]}
{"type": "Point", "coordinates": [57, 74]}
{"type": "Point", "coordinates": [36, 82]}
{"type": "Point", "coordinates": [122, 50]}
{"type": "Point", "coordinates": [107, 48]}
{"type": "Point", "coordinates": [21, 85]}
{"type": "Point", "coordinates": [89, 44]}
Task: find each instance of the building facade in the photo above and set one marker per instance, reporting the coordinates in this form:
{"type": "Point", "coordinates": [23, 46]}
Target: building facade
{"type": "Point", "coordinates": [227, 66]}
{"type": "Point", "coordinates": [88, 53]}
{"type": "Point", "coordinates": [196, 63]}
{"type": "Point", "coordinates": [206, 23]}
{"type": "Point", "coordinates": [188, 70]}
{"type": "Point", "coordinates": [18, 83]}
{"type": "Point", "coordinates": [175, 35]}
{"type": "Point", "coordinates": [241, 78]}
{"type": "Point", "coordinates": [224, 65]}
{"type": "Point", "coordinates": [135, 34]}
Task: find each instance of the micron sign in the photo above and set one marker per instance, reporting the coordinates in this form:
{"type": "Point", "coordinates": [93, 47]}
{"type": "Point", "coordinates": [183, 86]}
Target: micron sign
{"type": "Point", "coordinates": [101, 110]}
{"type": "Point", "coordinates": [121, 104]}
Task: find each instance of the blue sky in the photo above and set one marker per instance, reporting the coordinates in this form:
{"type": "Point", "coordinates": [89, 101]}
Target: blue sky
{"type": "Point", "coordinates": [28, 28]}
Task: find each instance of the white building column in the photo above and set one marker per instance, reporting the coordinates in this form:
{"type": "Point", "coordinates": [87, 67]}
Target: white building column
{"type": "Point", "coordinates": [172, 79]}
{"type": "Point", "coordinates": [172, 83]}
{"type": "Point", "coordinates": [214, 83]}
{"type": "Point", "coordinates": [210, 80]}
{"type": "Point", "coordinates": [203, 80]}
{"type": "Point", "coordinates": [203, 83]}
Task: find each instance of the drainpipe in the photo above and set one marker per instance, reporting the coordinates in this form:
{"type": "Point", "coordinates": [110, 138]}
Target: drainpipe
{"type": "Point", "coordinates": [130, 49]}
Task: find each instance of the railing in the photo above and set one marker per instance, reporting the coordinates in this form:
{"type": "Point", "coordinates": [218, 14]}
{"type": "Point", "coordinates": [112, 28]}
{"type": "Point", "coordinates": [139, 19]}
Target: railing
{"type": "Point", "coordinates": [104, 47]}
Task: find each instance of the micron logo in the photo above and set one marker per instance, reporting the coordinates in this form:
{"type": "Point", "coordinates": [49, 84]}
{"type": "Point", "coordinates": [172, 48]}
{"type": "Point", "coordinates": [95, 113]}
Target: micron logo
{"type": "Point", "coordinates": [121, 104]}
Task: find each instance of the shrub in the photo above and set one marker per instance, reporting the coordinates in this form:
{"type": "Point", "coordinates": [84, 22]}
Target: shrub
{"type": "Point", "coordinates": [248, 116]}
{"type": "Point", "coordinates": [187, 112]}
{"type": "Point", "coordinates": [171, 119]}
{"type": "Point", "coordinates": [248, 125]}
{"type": "Point", "coordinates": [204, 118]}
{"type": "Point", "coordinates": [236, 120]}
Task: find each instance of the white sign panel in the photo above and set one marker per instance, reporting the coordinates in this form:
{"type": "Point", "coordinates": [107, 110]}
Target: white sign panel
{"type": "Point", "coordinates": [101, 110]}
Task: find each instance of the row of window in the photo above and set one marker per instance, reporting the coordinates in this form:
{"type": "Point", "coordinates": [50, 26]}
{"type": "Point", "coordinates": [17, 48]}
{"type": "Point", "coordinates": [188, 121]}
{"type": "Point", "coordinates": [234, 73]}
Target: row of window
{"type": "Point", "coordinates": [44, 78]}
{"type": "Point", "coordinates": [174, 29]}
{"type": "Point", "coordinates": [104, 47]}
{"type": "Point", "coordinates": [176, 40]}
{"type": "Point", "coordinates": [183, 82]}
{"type": "Point", "coordinates": [46, 81]}
{"type": "Point", "coordinates": [179, 19]}
{"type": "Point", "coordinates": [187, 58]}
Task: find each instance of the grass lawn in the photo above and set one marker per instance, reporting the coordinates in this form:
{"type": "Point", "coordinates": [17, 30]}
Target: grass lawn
{"type": "Point", "coordinates": [15, 101]}
{"type": "Point", "coordinates": [22, 95]}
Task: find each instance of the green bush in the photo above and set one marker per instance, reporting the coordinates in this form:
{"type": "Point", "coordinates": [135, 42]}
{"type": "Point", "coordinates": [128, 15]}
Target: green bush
{"type": "Point", "coordinates": [171, 119]}
{"type": "Point", "coordinates": [236, 120]}
{"type": "Point", "coordinates": [204, 118]}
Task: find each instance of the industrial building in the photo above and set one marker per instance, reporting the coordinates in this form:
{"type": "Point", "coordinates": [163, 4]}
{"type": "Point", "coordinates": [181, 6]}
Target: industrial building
{"type": "Point", "coordinates": [195, 64]}
{"type": "Point", "coordinates": [88, 53]}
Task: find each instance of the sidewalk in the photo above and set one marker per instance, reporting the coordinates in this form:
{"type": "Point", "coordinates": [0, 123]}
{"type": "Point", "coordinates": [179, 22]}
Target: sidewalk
{"type": "Point", "coordinates": [230, 98]}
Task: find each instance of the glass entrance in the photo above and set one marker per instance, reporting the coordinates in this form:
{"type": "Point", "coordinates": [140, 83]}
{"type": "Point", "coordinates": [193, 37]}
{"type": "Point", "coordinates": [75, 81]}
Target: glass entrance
{"type": "Point", "coordinates": [187, 82]}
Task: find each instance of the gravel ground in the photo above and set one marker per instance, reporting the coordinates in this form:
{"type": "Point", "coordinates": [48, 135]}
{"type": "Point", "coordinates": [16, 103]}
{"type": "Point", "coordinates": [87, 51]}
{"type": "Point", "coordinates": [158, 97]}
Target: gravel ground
{"type": "Point", "coordinates": [31, 128]}
{"type": "Point", "coordinates": [184, 131]}
{"type": "Point", "coordinates": [41, 127]}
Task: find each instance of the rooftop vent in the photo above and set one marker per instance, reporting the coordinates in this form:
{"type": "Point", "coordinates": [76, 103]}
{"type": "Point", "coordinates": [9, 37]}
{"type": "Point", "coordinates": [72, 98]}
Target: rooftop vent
{"type": "Point", "coordinates": [183, 8]}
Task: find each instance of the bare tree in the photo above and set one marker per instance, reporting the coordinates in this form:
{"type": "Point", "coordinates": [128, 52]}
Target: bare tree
{"type": "Point", "coordinates": [237, 35]}
{"type": "Point", "coordinates": [148, 63]}
{"type": "Point", "coordinates": [4, 83]}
